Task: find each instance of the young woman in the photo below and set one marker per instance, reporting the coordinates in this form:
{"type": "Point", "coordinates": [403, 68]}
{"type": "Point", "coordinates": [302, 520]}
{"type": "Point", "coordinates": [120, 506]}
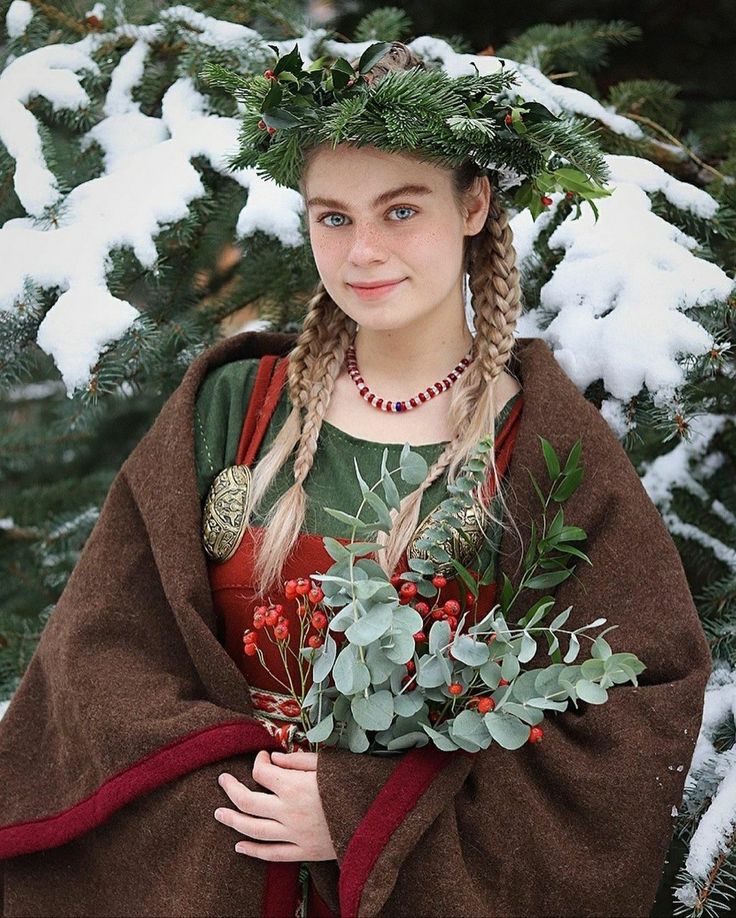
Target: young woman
{"type": "Point", "coordinates": [148, 715]}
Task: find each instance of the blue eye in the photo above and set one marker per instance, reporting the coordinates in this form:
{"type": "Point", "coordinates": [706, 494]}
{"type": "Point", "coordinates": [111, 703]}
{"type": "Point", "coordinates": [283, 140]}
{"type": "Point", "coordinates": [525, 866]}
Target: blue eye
{"type": "Point", "coordinates": [334, 214]}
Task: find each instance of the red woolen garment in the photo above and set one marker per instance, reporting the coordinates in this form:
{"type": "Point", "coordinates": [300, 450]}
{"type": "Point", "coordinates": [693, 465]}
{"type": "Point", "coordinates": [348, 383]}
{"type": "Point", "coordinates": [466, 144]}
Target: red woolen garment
{"type": "Point", "coordinates": [131, 707]}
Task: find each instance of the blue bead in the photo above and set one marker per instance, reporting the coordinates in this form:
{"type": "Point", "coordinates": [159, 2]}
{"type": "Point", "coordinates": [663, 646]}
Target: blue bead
{"type": "Point", "coordinates": [399, 406]}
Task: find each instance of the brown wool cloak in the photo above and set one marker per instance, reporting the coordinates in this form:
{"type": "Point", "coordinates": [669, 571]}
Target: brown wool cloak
{"type": "Point", "coordinates": [130, 709]}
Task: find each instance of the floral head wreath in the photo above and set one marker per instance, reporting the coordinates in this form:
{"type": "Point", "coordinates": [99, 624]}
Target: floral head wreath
{"type": "Point", "coordinates": [445, 120]}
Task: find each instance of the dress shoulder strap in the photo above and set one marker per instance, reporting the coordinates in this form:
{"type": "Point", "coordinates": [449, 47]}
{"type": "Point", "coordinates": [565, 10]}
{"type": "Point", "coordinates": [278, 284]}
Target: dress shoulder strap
{"type": "Point", "coordinates": [261, 405]}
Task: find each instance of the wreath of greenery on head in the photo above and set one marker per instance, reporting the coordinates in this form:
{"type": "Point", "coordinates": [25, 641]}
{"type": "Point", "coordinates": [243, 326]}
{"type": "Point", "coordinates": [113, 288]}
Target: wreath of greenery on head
{"type": "Point", "coordinates": [445, 120]}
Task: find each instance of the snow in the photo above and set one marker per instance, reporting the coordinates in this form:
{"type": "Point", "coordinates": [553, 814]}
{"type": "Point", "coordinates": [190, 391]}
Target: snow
{"type": "Point", "coordinates": [716, 825]}
{"type": "Point", "coordinates": [17, 18]}
{"type": "Point", "coordinates": [615, 308]}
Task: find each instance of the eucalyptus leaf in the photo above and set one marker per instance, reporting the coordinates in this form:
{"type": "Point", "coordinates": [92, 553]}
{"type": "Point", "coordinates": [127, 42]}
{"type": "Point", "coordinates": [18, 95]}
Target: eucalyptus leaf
{"type": "Point", "coordinates": [321, 731]}
{"type": "Point", "coordinates": [591, 692]}
{"type": "Point", "coordinates": [323, 664]}
{"type": "Point", "coordinates": [372, 626]}
{"type": "Point", "coordinates": [508, 731]}
{"type": "Point", "coordinates": [374, 712]}
{"type": "Point", "coordinates": [466, 650]}
{"type": "Point", "coordinates": [413, 468]}
{"type": "Point", "coordinates": [357, 739]}
{"type": "Point", "coordinates": [441, 740]}
{"type": "Point", "coordinates": [408, 704]}
{"type": "Point", "coordinates": [342, 671]}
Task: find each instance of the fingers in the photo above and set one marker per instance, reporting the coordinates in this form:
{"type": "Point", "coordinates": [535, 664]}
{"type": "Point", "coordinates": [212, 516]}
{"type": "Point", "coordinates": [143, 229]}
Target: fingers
{"type": "Point", "coordinates": [270, 852]}
{"type": "Point", "coordinates": [248, 801]}
{"type": "Point", "coordinates": [266, 773]}
{"type": "Point", "coordinates": [302, 761]}
{"type": "Point", "coordinates": [253, 826]}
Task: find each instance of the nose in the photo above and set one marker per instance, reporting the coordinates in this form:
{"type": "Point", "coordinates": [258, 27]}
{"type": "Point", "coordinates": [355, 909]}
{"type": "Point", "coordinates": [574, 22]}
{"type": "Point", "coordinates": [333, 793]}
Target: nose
{"type": "Point", "coordinates": [367, 245]}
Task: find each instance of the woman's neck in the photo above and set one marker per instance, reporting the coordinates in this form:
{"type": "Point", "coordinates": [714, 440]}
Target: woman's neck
{"type": "Point", "coordinates": [405, 363]}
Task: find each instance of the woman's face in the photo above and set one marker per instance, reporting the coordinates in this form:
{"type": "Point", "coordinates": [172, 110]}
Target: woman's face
{"type": "Point", "coordinates": [379, 216]}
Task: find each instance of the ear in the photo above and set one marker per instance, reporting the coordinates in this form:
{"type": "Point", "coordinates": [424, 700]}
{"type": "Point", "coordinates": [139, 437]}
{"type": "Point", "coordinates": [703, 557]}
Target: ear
{"type": "Point", "coordinates": [477, 202]}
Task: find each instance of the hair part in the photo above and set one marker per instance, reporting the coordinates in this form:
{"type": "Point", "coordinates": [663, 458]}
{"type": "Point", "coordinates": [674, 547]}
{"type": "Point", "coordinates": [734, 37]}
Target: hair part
{"type": "Point", "coordinates": [316, 361]}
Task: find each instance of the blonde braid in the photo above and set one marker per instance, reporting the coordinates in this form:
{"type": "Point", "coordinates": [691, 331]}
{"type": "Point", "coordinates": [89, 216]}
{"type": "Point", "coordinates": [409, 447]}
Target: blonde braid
{"type": "Point", "coordinates": [319, 354]}
{"type": "Point", "coordinates": [494, 283]}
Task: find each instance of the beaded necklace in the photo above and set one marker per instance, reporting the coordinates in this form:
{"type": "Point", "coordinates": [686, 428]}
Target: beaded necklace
{"type": "Point", "coordinates": [382, 404]}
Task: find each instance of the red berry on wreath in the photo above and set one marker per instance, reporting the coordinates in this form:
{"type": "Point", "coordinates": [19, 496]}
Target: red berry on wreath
{"type": "Point", "coordinates": [261, 125]}
{"type": "Point", "coordinates": [546, 200]}
{"type": "Point", "coordinates": [437, 614]}
{"type": "Point", "coordinates": [439, 581]}
{"type": "Point", "coordinates": [569, 195]}
{"type": "Point", "coordinates": [536, 734]}
{"type": "Point", "coordinates": [469, 599]}
{"type": "Point", "coordinates": [250, 637]}
{"type": "Point", "coordinates": [452, 607]}
{"type": "Point", "coordinates": [271, 130]}
{"type": "Point", "coordinates": [281, 631]}
{"type": "Point", "coordinates": [408, 590]}
{"type": "Point", "coordinates": [303, 586]}
{"type": "Point", "coordinates": [270, 75]}
{"type": "Point", "coordinates": [410, 666]}
{"type": "Point", "coordinates": [420, 636]}
{"type": "Point", "coordinates": [250, 650]}
{"type": "Point", "coordinates": [395, 580]}
{"type": "Point", "coordinates": [301, 609]}
{"type": "Point", "coordinates": [290, 589]}
{"type": "Point", "coordinates": [315, 641]}
{"type": "Point", "coordinates": [452, 622]}
{"type": "Point", "coordinates": [422, 608]}
{"type": "Point", "coordinates": [272, 617]}
{"type": "Point", "coordinates": [455, 688]}
{"type": "Point", "coordinates": [259, 620]}
{"type": "Point", "coordinates": [503, 681]}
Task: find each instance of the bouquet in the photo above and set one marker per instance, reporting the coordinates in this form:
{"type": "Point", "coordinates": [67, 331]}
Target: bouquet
{"type": "Point", "coordinates": [384, 666]}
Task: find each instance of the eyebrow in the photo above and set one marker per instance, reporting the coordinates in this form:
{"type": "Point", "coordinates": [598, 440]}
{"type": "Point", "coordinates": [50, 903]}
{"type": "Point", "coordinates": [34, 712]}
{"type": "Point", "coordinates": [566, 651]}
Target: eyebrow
{"type": "Point", "coordinates": [381, 199]}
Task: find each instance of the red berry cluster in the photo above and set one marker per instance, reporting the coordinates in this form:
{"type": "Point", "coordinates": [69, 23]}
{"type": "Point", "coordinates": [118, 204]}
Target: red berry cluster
{"type": "Point", "coordinates": [272, 616]}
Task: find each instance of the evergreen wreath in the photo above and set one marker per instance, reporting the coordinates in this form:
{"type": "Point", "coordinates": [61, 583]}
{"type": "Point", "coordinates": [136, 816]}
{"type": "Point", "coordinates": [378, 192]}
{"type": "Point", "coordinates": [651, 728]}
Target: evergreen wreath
{"type": "Point", "coordinates": [445, 120]}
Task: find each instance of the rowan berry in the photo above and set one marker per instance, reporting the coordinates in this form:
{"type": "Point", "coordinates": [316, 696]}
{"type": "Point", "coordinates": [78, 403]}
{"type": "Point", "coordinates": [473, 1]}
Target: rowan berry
{"type": "Point", "coordinates": [437, 614]}
{"type": "Point", "coordinates": [301, 609]}
{"type": "Point", "coordinates": [395, 580]}
{"type": "Point", "coordinates": [315, 641]}
{"type": "Point", "coordinates": [250, 637]}
{"type": "Point", "coordinates": [546, 200]}
{"type": "Point", "coordinates": [569, 195]}
{"type": "Point", "coordinates": [422, 608]}
{"type": "Point", "coordinates": [303, 586]}
{"type": "Point", "coordinates": [452, 607]}
{"type": "Point", "coordinates": [408, 590]}
{"type": "Point", "coordinates": [259, 620]}
{"type": "Point", "coordinates": [410, 666]}
{"type": "Point", "coordinates": [439, 581]}
{"type": "Point", "coordinates": [290, 589]}
{"type": "Point", "coordinates": [319, 620]}
{"type": "Point", "coordinates": [485, 704]}
{"type": "Point", "coordinates": [469, 599]}
{"type": "Point", "coordinates": [250, 650]}
{"type": "Point", "coordinates": [316, 595]}
{"type": "Point", "coordinates": [281, 631]}
{"type": "Point", "coordinates": [503, 681]}
{"type": "Point", "coordinates": [452, 622]}
{"type": "Point", "coordinates": [420, 637]}
{"type": "Point", "coordinates": [455, 688]}
{"type": "Point", "coordinates": [272, 617]}
{"type": "Point", "coordinates": [536, 734]}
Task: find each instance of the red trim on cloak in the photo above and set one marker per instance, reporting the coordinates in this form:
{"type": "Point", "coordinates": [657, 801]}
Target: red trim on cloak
{"type": "Point", "coordinates": [398, 796]}
{"type": "Point", "coordinates": [178, 758]}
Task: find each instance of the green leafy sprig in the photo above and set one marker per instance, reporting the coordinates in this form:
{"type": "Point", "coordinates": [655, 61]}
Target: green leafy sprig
{"type": "Point", "coordinates": [292, 107]}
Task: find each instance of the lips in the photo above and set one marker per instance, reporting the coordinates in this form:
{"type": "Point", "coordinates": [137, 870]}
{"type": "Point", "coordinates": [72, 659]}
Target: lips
{"type": "Point", "coordinates": [374, 284]}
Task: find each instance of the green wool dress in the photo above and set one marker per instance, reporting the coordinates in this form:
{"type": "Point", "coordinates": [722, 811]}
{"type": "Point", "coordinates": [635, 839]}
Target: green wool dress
{"type": "Point", "coordinates": [221, 406]}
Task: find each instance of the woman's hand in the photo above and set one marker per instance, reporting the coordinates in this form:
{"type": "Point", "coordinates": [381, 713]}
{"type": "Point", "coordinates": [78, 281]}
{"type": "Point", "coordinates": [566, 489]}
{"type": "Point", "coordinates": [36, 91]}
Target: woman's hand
{"type": "Point", "coordinates": [288, 824]}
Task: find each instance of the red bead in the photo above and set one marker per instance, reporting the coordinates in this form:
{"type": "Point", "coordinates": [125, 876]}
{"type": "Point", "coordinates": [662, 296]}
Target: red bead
{"type": "Point", "coordinates": [431, 393]}
{"type": "Point", "coordinates": [412, 403]}
{"type": "Point", "coordinates": [422, 397]}
{"type": "Point", "coordinates": [379, 402]}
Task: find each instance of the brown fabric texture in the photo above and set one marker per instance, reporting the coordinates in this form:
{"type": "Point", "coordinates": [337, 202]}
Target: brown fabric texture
{"type": "Point", "coordinates": [129, 664]}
